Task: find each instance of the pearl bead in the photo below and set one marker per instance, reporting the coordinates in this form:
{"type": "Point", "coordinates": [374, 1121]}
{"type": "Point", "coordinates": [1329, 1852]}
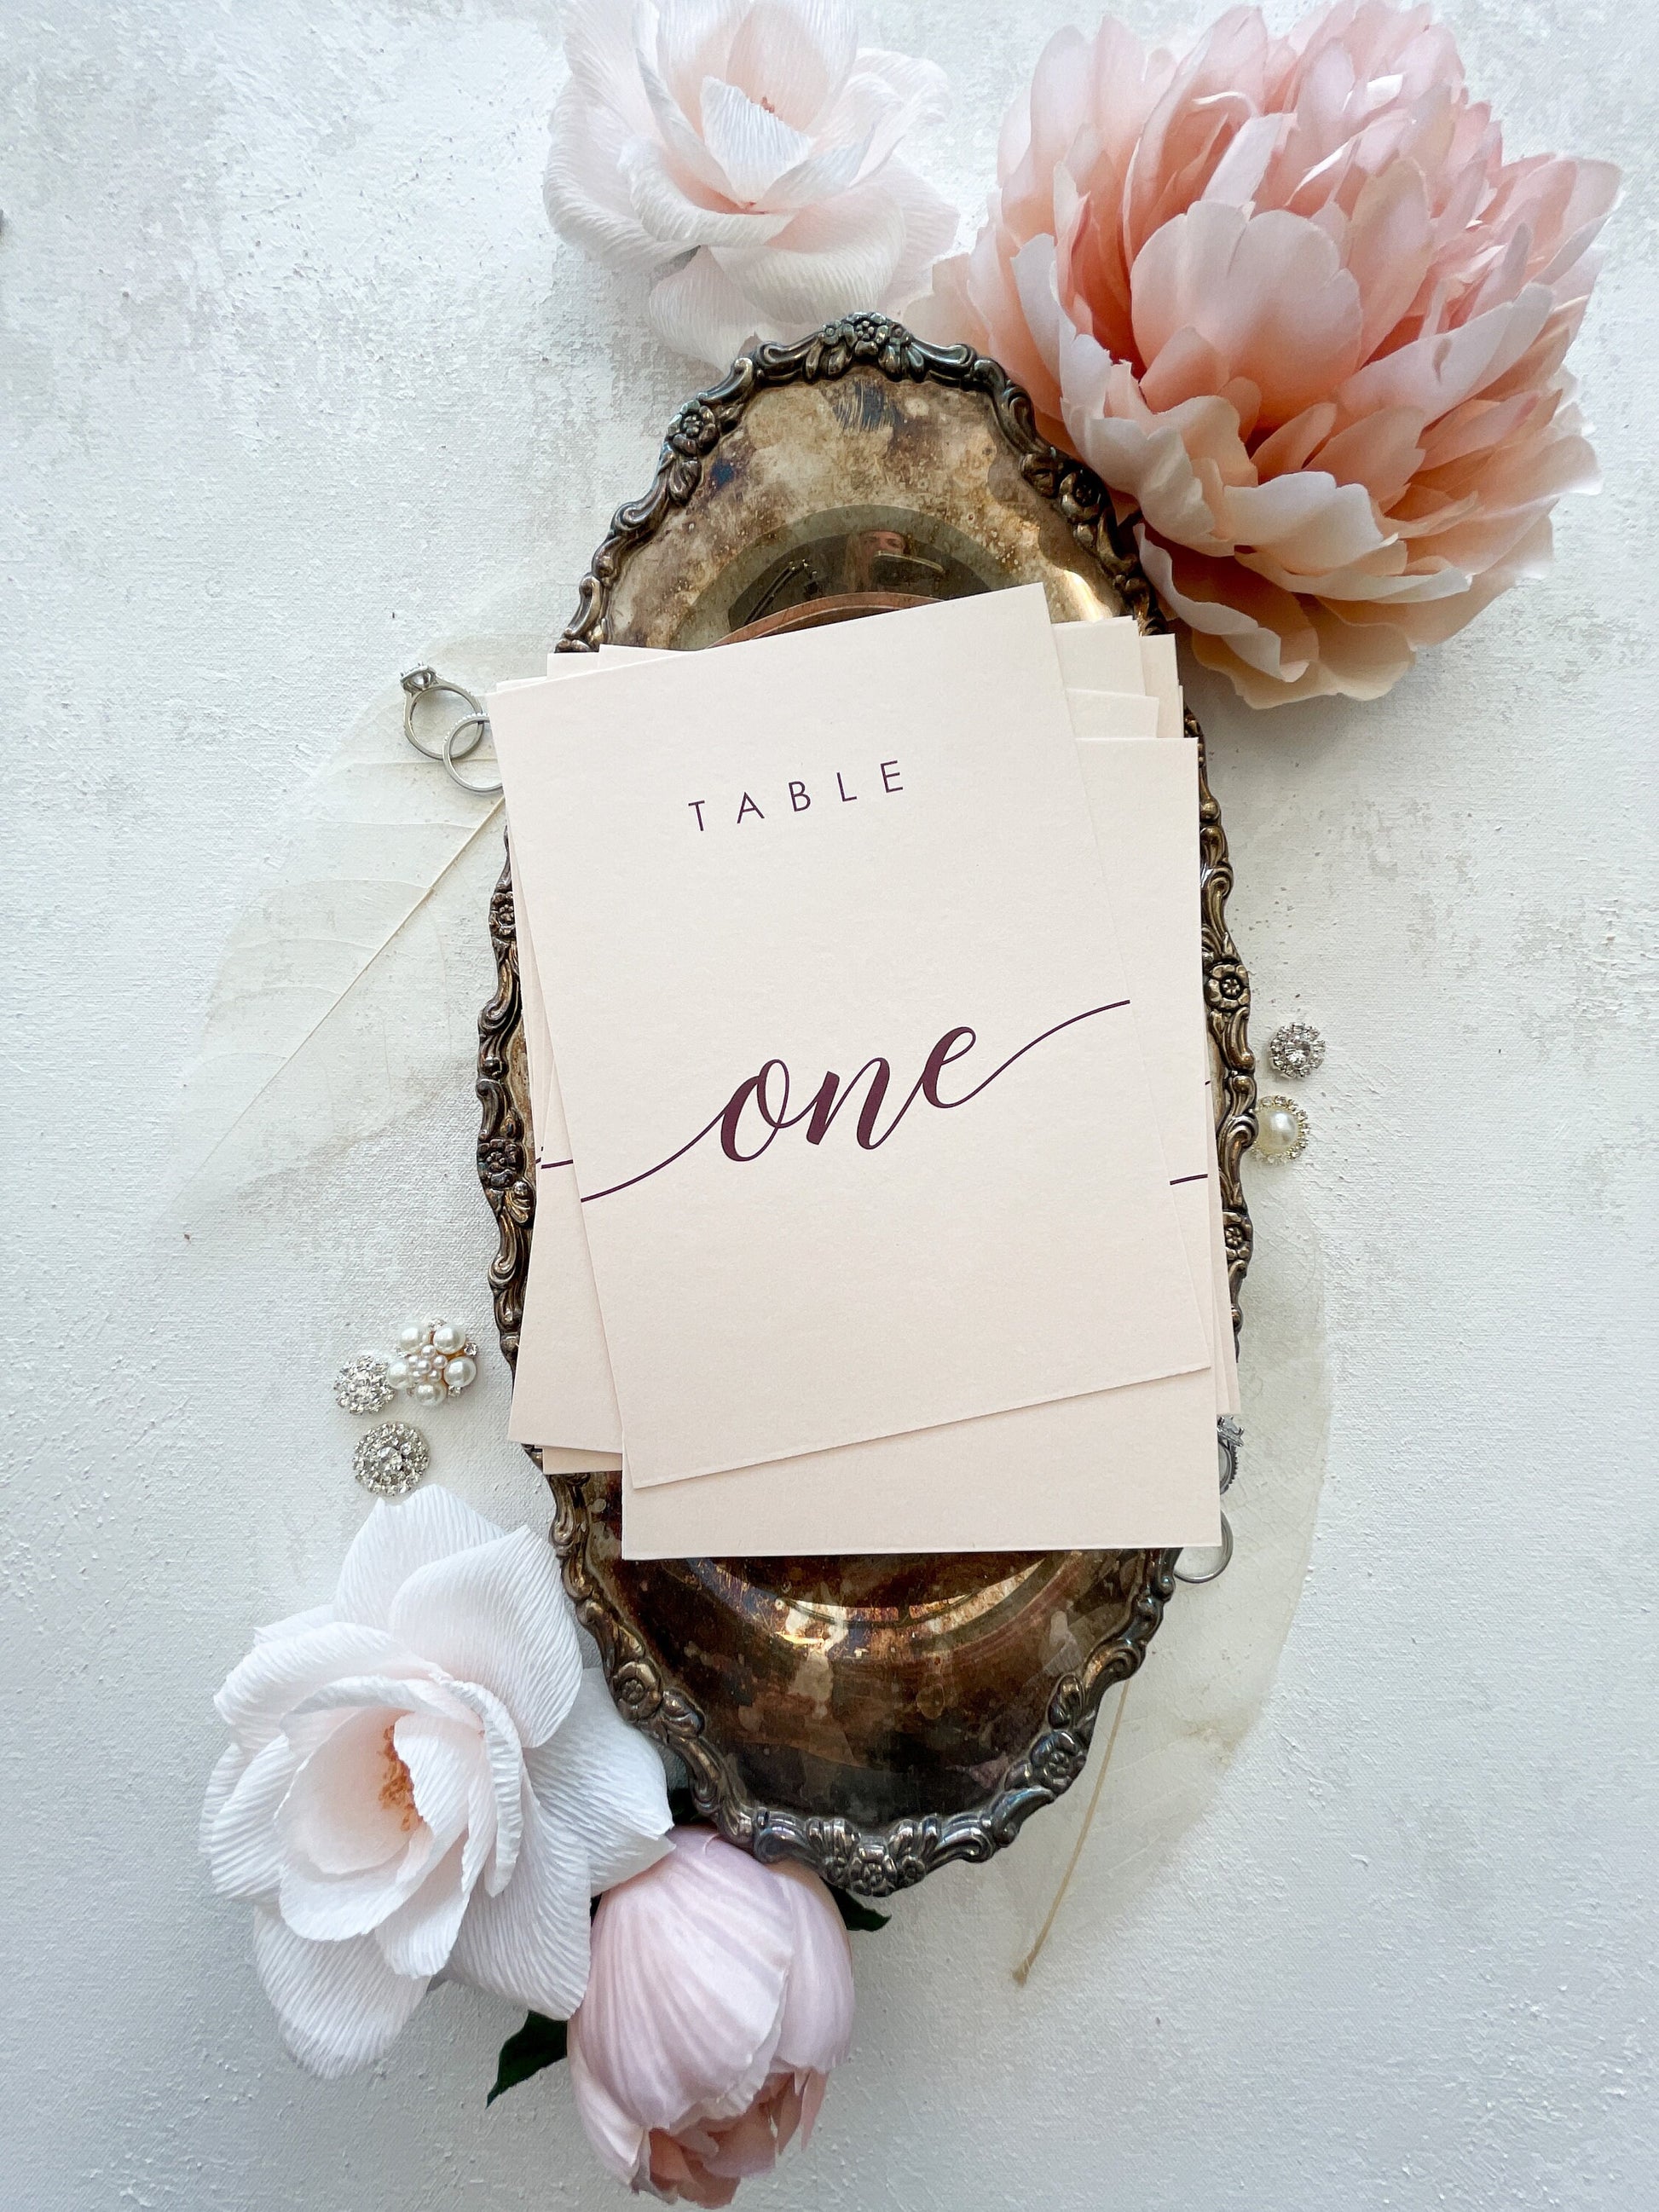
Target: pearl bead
{"type": "Point", "coordinates": [448, 1339]}
{"type": "Point", "coordinates": [459, 1372]}
{"type": "Point", "coordinates": [397, 1375]}
{"type": "Point", "coordinates": [428, 1394]}
{"type": "Point", "coordinates": [411, 1337]}
{"type": "Point", "coordinates": [1281, 1130]}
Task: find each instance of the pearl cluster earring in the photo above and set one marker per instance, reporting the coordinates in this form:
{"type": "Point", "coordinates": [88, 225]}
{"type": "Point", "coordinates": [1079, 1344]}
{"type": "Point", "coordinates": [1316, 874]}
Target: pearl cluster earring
{"type": "Point", "coordinates": [434, 1360]}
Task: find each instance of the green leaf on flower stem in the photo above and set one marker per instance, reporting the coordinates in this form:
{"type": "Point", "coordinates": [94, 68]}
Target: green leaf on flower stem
{"type": "Point", "coordinates": [540, 2042]}
{"type": "Point", "coordinates": [856, 1915]}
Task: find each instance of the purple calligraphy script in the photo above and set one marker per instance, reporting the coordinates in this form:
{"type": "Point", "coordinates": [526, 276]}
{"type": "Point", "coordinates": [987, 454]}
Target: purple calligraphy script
{"type": "Point", "coordinates": [764, 1099]}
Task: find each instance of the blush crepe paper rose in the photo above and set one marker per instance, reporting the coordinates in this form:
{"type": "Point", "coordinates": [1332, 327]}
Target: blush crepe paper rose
{"type": "Point", "coordinates": [742, 154]}
{"type": "Point", "coordinates": [1288, 299]}
{"type": "Point", "coordinates": [422, 1781]}
{"type": "Point", "coordinates": [719, 2001]}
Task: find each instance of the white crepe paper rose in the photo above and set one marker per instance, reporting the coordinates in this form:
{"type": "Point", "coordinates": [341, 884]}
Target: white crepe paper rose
{"type": "Point", "coordinates": [423, 1781]}
{"type": "Point", "coordinates": [1286, 295]}
{"type": "Point", "coordinates": [720, 1998]}
{"type": "Point", "coordinates": [742, 154]}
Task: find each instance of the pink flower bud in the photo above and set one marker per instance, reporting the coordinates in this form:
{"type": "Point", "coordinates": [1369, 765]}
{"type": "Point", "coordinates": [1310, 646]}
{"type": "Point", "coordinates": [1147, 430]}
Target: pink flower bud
{"type": "Point", "coordinates": [720, 1996]}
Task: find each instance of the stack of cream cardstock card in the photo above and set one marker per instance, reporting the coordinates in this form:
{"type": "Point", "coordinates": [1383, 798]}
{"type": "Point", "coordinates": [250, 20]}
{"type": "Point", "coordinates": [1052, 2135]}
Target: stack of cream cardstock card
{"type": "Point", "coordinates": [894, 1218]}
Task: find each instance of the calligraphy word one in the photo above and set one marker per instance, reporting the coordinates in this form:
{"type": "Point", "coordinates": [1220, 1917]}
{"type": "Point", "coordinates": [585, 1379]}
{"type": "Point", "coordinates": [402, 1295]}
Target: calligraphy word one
{"type": "Point", "coordinates": [795, 798]}
{"type": "Point", "coordinates": [760, 1109]}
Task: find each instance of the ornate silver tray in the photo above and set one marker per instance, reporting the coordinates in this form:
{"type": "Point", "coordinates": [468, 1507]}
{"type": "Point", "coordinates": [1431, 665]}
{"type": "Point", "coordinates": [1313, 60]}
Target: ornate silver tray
{"type": "Point", "coordinates": [874, 1717]}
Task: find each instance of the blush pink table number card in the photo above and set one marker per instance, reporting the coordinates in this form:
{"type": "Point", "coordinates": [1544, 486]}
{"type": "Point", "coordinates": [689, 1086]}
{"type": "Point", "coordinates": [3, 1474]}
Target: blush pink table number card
{"type": "Point", "coordinates": [865, 1221]}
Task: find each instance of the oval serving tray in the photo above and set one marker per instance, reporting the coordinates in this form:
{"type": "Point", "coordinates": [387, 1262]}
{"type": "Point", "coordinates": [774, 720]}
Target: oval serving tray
{"type": "Point", "coordinates": [873, 1717]}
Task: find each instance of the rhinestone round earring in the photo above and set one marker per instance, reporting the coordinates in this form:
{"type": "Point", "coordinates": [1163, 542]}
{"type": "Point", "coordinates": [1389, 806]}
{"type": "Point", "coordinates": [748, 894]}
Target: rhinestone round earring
{"type": "Point", "coordinates": [391, 1459]}
{"type": "Point", "coordinates": [1296, 1050]}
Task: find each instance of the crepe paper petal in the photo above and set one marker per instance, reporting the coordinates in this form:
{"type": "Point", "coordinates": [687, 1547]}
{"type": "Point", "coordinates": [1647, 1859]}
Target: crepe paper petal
{"type": "Point", "coordinates": [930, 226]}
{"type": "Point", "coordinates": [815, 2031]}
{"type": "Point", "coordinates": [677, 139]}
{"type": "Point", "coordinates": [1267, 291]}
{"type": "Point", "coordinates": [584, 186]}
{"type": "Point", "coordinates": [397, 1539]}
{"type": "Point", "coordinates": [753, 147]}
{"type": "Point", "coordinates": [917, 92]}
{"type": "Point", "coordinates": [278, 1675]}
{"type": "Point", "coordinates": [497, 1615]}
{"type": "Point", "coordinates": [530, 1943]}
{"type": "Point", "coordinates": [1307, 519]}
{"type": "Point", "coordinates": [794, 58]}
{"type": "Point", "coordinates": [441, 1759]}
{"type": "Point", "coordinates": [1037, 285]}
{"type": "Point", "coordinates": [599, 45]}
{"type": "Point", "coordinates": [339, 2006]}
{"type": "Point", "coordinates": [822, 176]}
{"type": "Point", "coordinates": [1381, 452]}
{"type": "Point", "coordinates": [618, 2137]}
{"type": "Point", "coordinates": [698, 310]}
{"type": "Point", "coordinates": [604, 1779]}
{"type": "Point", "coordinates": [1438, 372]}
{"type": "Point", "coordinates": [1237, 175]}
{"type": "Point", "coordinates": [480, 1850]}
{"type": "Point", "coordinates": [1273, 633]}
{"type": "Point", "coordinates": [676, 220]}
{"type": "Point", "coordinates": [504, 1757]}
{"type": "Point", "coordinates": [240, 1838]}
{"type": "Point", "coordinates": [687, 40]}
{"type": "Point", "coordinates": [228, 1769]}
{"type": "Point", "coordinates": [328, 1907]}
{"type": "Point", "coordinates": [1389, 249]}
{"type": "Point", "coordinates": [831, 258]}
{"type": "Point", "coordinates": [423, 1689]}
{"type": "Point", "coordinates": [1290, 446]}
{"type": "Point", "coordinates": [1389, 580]}
{"type": "Point", "coordinates": [418, 1937]}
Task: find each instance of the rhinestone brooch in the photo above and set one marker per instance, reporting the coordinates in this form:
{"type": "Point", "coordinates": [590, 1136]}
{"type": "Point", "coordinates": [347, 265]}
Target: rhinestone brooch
{"type": "Point", "coordinates": [391, 1459]}
{"type": "Point", "coordinates": [362, 1385]}
{"type": "Point", "coordinates": [1295, 1051]}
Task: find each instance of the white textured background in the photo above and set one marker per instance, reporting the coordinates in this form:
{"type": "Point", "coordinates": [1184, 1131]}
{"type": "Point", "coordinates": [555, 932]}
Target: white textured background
{"type": "Point", "coordinates": [298, 389]}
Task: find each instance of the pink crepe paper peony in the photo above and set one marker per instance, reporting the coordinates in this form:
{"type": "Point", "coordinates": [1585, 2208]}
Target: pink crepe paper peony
{"type": "Point", "coordinates": [1286, 297]}
{"type": "Point", "coordinates": [720, 1998]}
